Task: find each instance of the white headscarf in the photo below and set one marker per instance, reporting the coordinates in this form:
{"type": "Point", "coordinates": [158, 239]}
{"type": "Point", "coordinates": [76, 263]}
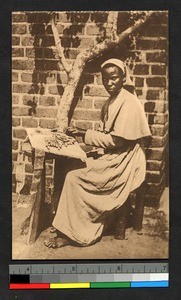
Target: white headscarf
{"type": "Point", "coordinates": [127, 82]}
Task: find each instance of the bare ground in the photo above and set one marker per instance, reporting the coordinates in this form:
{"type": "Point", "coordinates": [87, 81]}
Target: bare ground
{"type": "Point", "coordinates": [151, 242]}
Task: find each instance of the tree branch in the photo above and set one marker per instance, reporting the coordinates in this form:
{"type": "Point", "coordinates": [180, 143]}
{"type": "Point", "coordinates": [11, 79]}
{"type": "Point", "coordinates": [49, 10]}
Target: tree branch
{"type": "Point", "coordinates": [81, 60]}
{"type": "Point", "coordinates": [58, 45]}
{"type": "Point", "coordinates": [110, 43]}
{"type": "Point", "coordinates": [111, 27]}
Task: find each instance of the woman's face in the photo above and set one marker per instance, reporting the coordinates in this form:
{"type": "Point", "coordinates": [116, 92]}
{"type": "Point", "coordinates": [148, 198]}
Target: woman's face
{"type": "Point", "coordinates": [112, 78]}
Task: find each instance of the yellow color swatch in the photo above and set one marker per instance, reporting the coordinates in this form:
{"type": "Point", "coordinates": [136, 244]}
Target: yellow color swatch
{"type": "Point", "coordinates": [71, 285]}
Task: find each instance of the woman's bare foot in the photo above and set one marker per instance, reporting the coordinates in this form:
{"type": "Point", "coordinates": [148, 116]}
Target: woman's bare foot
{"type": "Point", "coordinates": [56, 242]}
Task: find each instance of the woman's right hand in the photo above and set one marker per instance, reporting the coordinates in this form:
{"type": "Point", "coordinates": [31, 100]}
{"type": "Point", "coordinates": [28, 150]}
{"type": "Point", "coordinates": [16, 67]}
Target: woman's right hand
{"type": "Point", "coordinates": [73, 131]}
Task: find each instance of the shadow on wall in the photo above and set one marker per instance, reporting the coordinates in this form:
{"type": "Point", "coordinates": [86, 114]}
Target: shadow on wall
{"type": "Point", "coordinates": [46, 59]}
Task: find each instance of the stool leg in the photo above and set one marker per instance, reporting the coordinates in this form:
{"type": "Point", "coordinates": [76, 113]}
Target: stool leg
{"type": "Point", "coordinates": [139, 207]}
{"type": "Point", "coordinates": [122, 214]}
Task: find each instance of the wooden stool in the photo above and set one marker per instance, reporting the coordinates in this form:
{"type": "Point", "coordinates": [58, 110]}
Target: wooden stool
{"type": "Point", "coordinates": [123, 214]}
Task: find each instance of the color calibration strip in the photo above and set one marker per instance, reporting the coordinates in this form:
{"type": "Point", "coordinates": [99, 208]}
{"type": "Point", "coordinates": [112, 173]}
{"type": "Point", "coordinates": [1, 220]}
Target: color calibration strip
{"type": "Point", "coordinates": [88, 276]}
{"type": "Point", "coordinates": [138, 280]}
{"type": "Point", "coordinates": [88, 285]}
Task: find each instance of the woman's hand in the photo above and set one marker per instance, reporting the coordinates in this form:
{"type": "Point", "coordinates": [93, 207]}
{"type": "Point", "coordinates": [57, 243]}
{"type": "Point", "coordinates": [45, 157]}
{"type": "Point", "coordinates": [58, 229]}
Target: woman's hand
{"type": "Point", "coordinates": [75, 132]}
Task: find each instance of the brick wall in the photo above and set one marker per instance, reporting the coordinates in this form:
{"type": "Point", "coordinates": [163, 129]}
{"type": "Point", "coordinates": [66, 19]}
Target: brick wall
{"type": "Point", "coordinates": [38, 79]}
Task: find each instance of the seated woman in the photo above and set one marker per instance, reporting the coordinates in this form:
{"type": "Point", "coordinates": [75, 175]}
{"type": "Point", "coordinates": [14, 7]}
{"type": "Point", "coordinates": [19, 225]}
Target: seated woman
{"type": "Point", "coordinates": [92, 194]}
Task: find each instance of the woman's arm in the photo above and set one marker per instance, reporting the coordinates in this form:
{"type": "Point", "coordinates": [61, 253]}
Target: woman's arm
{"type": "Point", "coordinates": [103, 140]}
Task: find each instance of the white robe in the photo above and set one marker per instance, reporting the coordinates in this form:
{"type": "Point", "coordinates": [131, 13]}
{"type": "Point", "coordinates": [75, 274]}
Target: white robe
{"type": "Point", "coordinates": [90, 195]}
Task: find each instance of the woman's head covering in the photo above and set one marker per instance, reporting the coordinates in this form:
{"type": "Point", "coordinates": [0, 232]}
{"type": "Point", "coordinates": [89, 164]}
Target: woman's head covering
{"type": "Point", "coordinates": [127, 82]}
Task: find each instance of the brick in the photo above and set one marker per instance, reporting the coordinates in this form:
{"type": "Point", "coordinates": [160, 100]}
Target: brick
{"type": "Point", "coordinates": [158, 70]}
{"type": "Point", "coordinates": [147, 44]}
{"type": "Point", "coordinates": [14, 156]}
{"type": "Point", "coordinates": [139, 81]}
{"type": "Point", "coordinates": [154, 29]}
{"type": "Point", "coordinates": [47, 123]}
{"type": "Point", "coordinates": [141, 70]}
{"type": "Point", "coordinates": [85, 103]}
{"type": "Point", "coordinates": [19, 29]}
{"type": "Point", "coordinates": [160, 57]}
{"type": "Point", "coordinates": [156, 153]}
{"type": "Point", "coordinates": [153, 176]}
{"type": "Point", "coordinates": [84, 125]}
{"type": "Point", "coordinates": [47, 41]}
{"type": "Point", "coordinates": [98, 17]}
{"type": "Point", "coordinates": [155, 106]}
{"type": "Point", "coordinates": [156, 82]}
{"type": "Point", "coordinates": [28, 99]}
{"type": "Point", "coordinates": [28, 168]}
{"type": "Point", "coordinates": [158, 141]}
{"type": "Point", "coordinates": [46, 101]}
{"type": "Point", "coordinates": [43, 17]}
{"type": "Point", "coordinates": [86, 115]}
{"type": "Point", "coordinates": [37, 28]}
{"type": "Point", "coordinates": [49, 169]}
{"type": "Point", "coordinates": [60, 28]}
{"type": "Point", "coordinates": [15, 99]}
{"type": "Point", "coordinates": [15, 144]}
{"type": "Point", "coordinates": [50, 53]}
{"type": "Point", "coordinates": [34, 52]}
{"type": "Point", "coordinates": [155, 189]}
{"type": "Point", "coordinates": [63, 17]}
{"type": "Point", "coordinates": [19, 133]}
{"type": "Point", "coordinates": [56, 89]}
{"type": "Point", "coordinates": [139, 93]}
{"type": "Point", "coordinates": [48, 181]}
{"type": "Point", "coordinates": [19, 17]}
{"type": "Point", "coordinates": [98, 104]}
{"type": "Point", "coordinates": [161, 18]}
{"type": "Point", "coordinates": [14, 76]}
{"type": "Point", "coordinates": [134, 56]}
{"type": "Point", "coordinates": [20, 111]}
{"type": "Point", "coordinates": [17, 52]}
{"type": "Point", "coordinates": [16, 121]}
{"type": "Point", "coordinates": [26, 77]}
{"type": "Point", "coordinates": [23, 64]}
{"type": "Point", "coordinates": [154, 165]}
{"type": "Point", "coordinates": [87, 79]}
{"type": "Point", "coordinates": [95, 91]}
{"type": "Point", "coordinates": [46, 112]}
{"type": "Point", "coordinates": [98, 79]}
{"type": "Point", "coordinates": [158, 130]}
{"type": "Point", "coordinates": [157, 119]}
{"type": "Point", "coordinates": [15, 40]}
{"type": "Point", "coordinates": [21, 88]}
{"type": "Point", "coordinates": [27, 40]}
{"type": "Point", "coordinates": [46, 65]}
{"type": "Point", "coordinates": [153, 95]}
{"type": "Point", "coordinates": [50, 78]}
{"type": "Point", "coordinates": [31, 17]}
{"type": "Point", "coordinates": [29, 122]}
{"type": "Point", "coordinates": [62, 78]}
{"type": "Point", "coordinates": [85, 43]}
{"type": "Point", "coordinates": [93, 30]}
{"type": "Point", "coordinates": [72, 53]}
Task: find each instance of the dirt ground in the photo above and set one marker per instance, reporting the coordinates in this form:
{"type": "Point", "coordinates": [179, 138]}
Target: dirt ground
{"type": "Point", "coordinates": [151, 242]}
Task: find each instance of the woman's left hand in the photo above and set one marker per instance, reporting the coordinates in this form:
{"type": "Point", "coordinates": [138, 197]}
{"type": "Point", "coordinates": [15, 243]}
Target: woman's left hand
{"type": "Point", "coordinates": [73, 131]}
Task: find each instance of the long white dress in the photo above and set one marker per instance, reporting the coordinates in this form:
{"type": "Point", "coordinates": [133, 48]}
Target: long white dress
{"type": "Point", "coordinates": [90, 195]}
